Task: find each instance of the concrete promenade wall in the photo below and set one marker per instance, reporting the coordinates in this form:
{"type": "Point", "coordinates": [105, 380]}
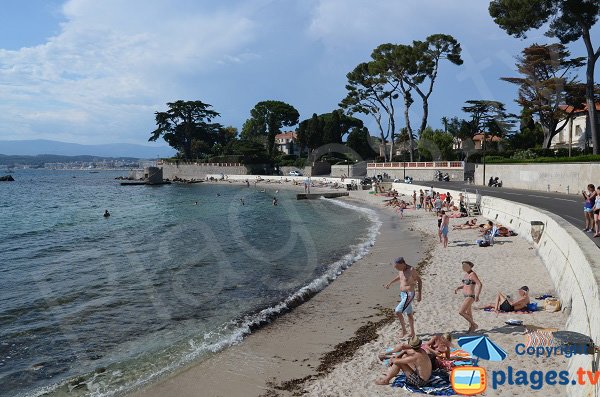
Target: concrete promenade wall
{"type": "Point", "coordinates": [356, 170]}
{"type": "Point", "coordinates": [572, 261]}
{"type": "Point", "coordinates": [199, 171]}
{"type": "Point", "coordinates": [568, 178]}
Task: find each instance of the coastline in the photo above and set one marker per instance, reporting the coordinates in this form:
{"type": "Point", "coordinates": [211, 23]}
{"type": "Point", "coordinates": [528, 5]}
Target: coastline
{"type": "Point", "coordinates": [279, 357]}
{"type": "Point", "coordinates": [328, 345]}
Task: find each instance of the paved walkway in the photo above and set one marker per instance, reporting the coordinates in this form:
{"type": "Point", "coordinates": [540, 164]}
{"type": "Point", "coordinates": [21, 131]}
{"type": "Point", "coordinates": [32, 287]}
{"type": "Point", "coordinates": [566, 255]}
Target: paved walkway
{"type": "Point", "coordinates": [570, 207]}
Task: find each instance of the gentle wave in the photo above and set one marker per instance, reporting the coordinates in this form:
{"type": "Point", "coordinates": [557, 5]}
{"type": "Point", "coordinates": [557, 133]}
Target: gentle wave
{"type": "Point", "coordinates": [237, 330]}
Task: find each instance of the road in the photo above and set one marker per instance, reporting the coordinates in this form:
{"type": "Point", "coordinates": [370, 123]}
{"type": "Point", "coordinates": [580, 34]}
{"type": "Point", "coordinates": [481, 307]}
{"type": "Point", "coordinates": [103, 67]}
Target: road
{"type": "Point", "coordinates": [569, 207]}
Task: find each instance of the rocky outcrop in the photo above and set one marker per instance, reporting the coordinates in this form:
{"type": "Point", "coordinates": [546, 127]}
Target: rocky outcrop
{"type": "Point", "coordinates": [7, 178]}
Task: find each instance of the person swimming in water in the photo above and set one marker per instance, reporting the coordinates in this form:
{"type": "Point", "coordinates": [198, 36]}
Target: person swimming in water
{"type": "Point", "coordinates": [274, 200]}
{"type": "Point", "coordinates": [106, 213]}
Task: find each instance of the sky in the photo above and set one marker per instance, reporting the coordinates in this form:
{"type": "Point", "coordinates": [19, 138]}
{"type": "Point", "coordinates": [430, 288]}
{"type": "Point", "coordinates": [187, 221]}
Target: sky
{"type": "Point", "coordinates": [94, 72]}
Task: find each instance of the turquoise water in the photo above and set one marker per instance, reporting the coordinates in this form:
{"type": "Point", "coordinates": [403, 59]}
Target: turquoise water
{"type": "Point", "coordinates": [96, 306]}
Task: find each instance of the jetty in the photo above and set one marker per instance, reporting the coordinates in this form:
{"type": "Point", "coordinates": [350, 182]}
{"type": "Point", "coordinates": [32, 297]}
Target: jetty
{"type": "Point", "coordinates": [314, 196]}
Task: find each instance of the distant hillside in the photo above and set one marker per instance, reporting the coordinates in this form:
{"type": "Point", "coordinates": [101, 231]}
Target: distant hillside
{"type": "Point", "coordinates": [42, 146]}
{"type": "Point", "coordinates": [39, 160]}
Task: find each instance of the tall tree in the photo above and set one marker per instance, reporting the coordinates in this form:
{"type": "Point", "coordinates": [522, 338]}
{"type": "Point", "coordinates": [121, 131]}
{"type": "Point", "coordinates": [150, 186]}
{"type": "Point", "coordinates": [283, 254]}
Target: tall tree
{"type": "Point", "coordinates": [371, 93]}
{"type": "Point", "coordinates": [488, 117]}
{"type": "Point", "coordinates": [359, 140]}
{"type": "Point", "coordinates": [415, 68]}
{"type": "Point", "coordinates": [547, 85]}
{"type": "Point", "coordinates": [386, 59]}
{"type": "Point", "coordinates": [267, 118]}
{"type": "Point", "coordinates": [421, 66]}
{"type": "Point", "coordinates": [436, 145]}
{"type": "Point", "coordinates": [569, 21]}
{"type": "Point", "coordinates": [184, 123]}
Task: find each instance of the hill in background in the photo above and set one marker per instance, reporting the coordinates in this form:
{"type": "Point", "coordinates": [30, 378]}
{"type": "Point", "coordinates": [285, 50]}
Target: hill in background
{"type": "Point", "coordinates": [118, 150]}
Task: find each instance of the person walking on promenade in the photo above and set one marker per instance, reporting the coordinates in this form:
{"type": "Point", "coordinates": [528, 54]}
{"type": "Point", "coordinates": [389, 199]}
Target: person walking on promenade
{"type": "Point", "coordinates": [409, 278]}
{"type": "Point", "coordinates": [471, 288]}
{"type": "Point", "coordinates": [589, 196]}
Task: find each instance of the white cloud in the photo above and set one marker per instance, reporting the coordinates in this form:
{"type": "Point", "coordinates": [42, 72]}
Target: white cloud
{"type": "Point", "coordinates": [113, 63]}
{"type": "Point", "coordinates": [347, 22]}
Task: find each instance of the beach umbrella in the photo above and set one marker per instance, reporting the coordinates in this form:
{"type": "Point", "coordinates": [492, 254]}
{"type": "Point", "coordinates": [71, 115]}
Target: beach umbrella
{"type": "Point", "coordinates": [482, 347]}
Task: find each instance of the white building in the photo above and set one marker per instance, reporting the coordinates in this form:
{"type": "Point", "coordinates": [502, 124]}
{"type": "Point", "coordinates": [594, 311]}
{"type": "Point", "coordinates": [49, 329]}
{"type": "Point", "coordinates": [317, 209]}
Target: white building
{"type": "Point", "coordinates": [286, 143]}
{"type": "Point", "coordinates": [576, 132]}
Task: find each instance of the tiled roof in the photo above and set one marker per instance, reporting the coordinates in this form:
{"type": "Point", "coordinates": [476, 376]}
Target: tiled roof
{"type": "Point", "coordinates": [286, 135]}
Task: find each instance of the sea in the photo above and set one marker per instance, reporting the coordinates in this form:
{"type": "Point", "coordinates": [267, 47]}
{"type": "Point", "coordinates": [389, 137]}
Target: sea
{"type": "Point", "coordinates": [99, 306]}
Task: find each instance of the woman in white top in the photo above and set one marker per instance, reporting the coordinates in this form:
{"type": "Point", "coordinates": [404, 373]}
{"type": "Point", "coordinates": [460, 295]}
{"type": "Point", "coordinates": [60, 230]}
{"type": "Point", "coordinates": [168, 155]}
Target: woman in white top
{"type": "Point", "coordinates": [596, 211]}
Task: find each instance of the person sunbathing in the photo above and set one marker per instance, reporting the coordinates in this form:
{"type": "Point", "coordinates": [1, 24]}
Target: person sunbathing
{"type": "Point", "coordinates": [504, 232]}
{"type": "Point", "coordinates": [486, 227]}
{"type": "Point", "coordinates": [437, 345]}
{"type": "Point", "coordinates": [506, 305]}
{"type": "Point", "coordinates": [415, 363]}
{"type": "Point", "coordinates": [472, 224]}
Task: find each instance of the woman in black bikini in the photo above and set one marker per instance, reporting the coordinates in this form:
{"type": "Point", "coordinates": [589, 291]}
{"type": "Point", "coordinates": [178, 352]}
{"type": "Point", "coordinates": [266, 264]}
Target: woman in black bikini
{"type": "Point", "coordinates": [471, 288]}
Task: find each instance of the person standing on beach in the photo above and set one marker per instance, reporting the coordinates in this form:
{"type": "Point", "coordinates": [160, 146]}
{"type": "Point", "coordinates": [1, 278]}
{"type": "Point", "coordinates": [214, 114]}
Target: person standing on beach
{"type": "Point", "coordinates": [408, 279]}
{"type": "Point", "coordinates": [471, 287]}
{"type": "Point", "coordinates": [415, 198]}
{"type": "Point", "coordinates": [421, 197]}
{"type": "Point", "coordinates": [444, 228]}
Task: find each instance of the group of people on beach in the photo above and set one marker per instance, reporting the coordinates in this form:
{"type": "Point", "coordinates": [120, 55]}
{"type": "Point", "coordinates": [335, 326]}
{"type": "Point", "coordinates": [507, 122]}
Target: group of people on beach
{"type": "Point", "coordinates": [417, 359]}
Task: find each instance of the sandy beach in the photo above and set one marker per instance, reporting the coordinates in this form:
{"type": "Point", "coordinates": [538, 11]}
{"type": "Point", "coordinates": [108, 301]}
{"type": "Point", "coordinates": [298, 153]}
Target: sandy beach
{"type": "Point", "coordinates": [328, 346]}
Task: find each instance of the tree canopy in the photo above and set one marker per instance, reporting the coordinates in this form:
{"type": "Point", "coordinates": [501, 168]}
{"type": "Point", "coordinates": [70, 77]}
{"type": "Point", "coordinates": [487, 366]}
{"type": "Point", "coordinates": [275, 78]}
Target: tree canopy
{"type": "Point", "coordinates": [266, 120]}
{"type": "Point", "coordinates": [360, 141]}
{"type": "Point", "coordinates": [489, 118]}
{"type": "Point", "coordinates": [567, 20]}
{"type": "Point", "coordinates": [326, 128]}
{"type": "Point", "coordinates": [547, 85]}
{"type": "Point", "coordinates": [187, 126]}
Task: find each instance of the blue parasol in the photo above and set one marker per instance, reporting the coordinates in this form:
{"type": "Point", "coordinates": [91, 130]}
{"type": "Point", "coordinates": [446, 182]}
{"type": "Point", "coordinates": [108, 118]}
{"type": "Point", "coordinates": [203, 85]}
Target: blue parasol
{"type": "Point", "coordinates": [482, 347]}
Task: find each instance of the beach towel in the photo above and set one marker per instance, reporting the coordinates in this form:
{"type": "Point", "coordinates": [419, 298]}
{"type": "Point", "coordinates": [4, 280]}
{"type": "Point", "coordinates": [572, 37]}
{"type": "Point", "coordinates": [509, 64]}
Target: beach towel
{"type": "Point", "coordinates": [438, 385]}
{"type": "Point", "coordinates": [491, 308]}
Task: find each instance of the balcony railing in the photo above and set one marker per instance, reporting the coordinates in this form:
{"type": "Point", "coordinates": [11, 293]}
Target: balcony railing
{"type": "Point", "coordinates": [418, 164]}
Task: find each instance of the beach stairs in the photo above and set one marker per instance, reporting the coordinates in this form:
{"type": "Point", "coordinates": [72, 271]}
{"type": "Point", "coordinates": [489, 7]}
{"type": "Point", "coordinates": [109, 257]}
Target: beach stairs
{"type": "Point", "coordinates": [473, 206]}
{"type": "Point", "coordinates": [473, 210]}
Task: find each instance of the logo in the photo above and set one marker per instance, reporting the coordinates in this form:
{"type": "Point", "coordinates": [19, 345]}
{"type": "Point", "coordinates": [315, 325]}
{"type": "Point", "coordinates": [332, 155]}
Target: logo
{"type": "Point", "coordinates": [468, 380]}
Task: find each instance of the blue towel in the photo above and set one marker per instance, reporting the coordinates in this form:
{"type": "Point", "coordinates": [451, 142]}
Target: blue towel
{"type": "Point", "coordinates": [438, 385]}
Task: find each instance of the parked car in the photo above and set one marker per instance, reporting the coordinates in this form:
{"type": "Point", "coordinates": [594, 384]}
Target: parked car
{"type": "Point", "coordinates": [295, 173]}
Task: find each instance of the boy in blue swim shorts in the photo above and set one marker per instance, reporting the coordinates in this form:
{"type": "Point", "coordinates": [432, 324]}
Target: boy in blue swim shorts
{"type": "Point", "coordinates": [408, 279]}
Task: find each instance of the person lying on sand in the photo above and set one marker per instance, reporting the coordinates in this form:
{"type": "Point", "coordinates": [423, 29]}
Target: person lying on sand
{"type": "Point", "coordinates": [484, 228]}
{"type": "Point", "coordinates": [467, 225]}
{"type": "Point", "coordinates": [415, 363]}
{"type": "Point", "coordinates": [437, 345]}
{"type": "Point", "coordinates": [506, 305]}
